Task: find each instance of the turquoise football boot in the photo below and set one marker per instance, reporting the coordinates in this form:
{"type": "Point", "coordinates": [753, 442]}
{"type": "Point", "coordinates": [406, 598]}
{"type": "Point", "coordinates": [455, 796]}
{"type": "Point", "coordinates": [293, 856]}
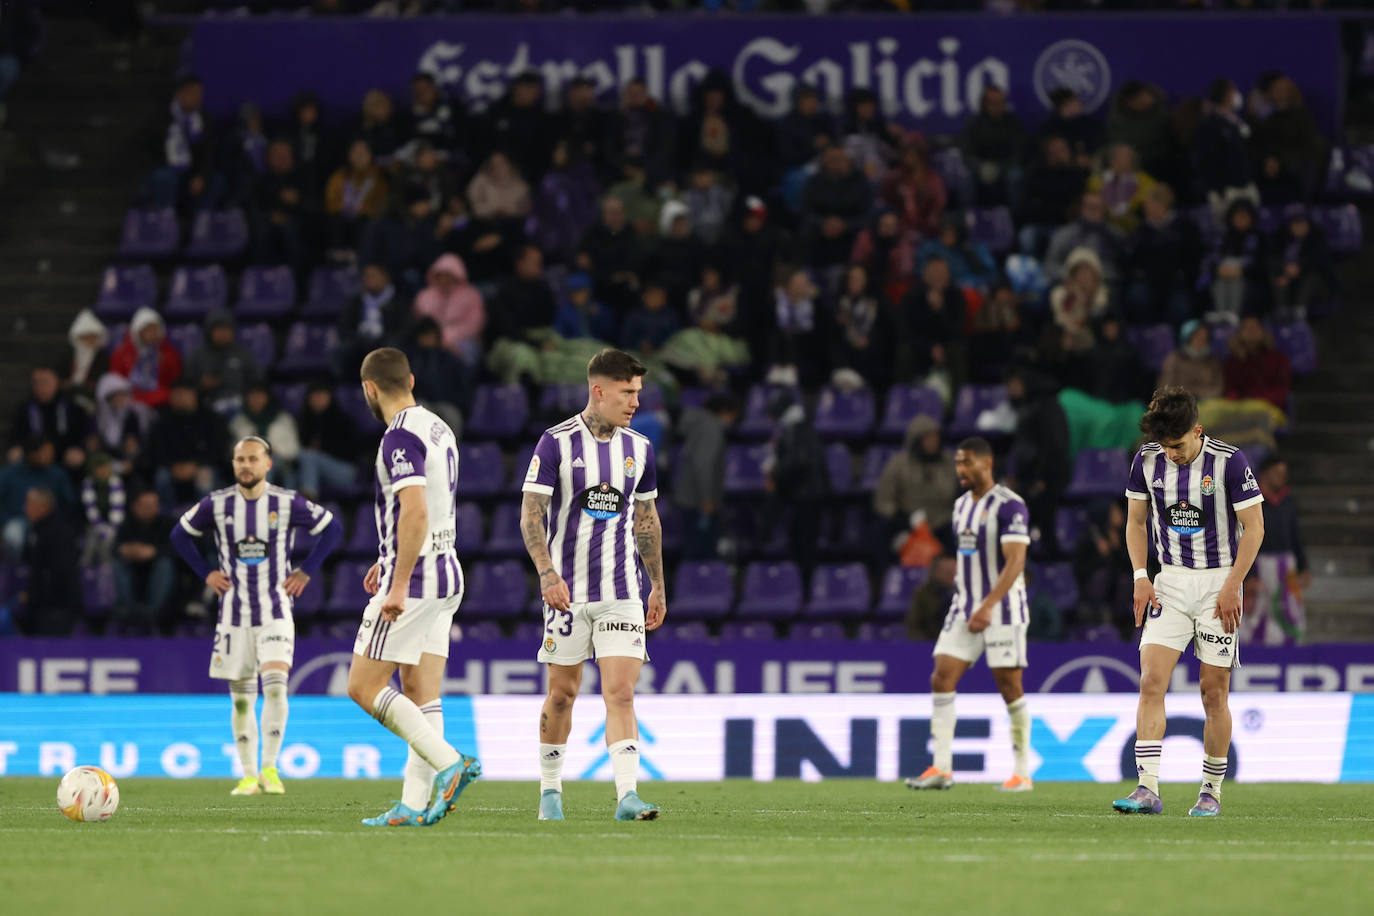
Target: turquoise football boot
{"type": "Point", "coordinates": [634, 808]}
{"type": "Point", "coordinates": [398, 816]}
{"type": "Point", "coordinates": [551, 805]}
{"type": "Point", "coordinates": [449, 784]}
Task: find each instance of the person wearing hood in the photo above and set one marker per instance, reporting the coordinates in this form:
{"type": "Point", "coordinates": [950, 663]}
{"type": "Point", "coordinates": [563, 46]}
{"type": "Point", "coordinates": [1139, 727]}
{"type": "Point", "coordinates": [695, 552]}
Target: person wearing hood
{"type": "Point", "coordinates": [699, 485]}
{"type": "Point", "coordinates": [797, 477]}
{"type": "Point", "coordinates": [49, 412]}
{"type": "Point", "coordinates": [85, 359]}
{"type": "Point", "coordinates": [1079, 299]}
{"type": "Point", "coordinates": [371, 318]}
{"type": "Point", "coordinates": [677, 255]}
{"type": "Point", "coordinates": [1193, 366]}
{"type": "Point", "coordinates": [1039, 448]}
{"type": "Point", "coordinates": [886, 249]}
{"type": "Point", "coordinates": [1239, 269]}
{"type": "Point", "coordinates": [147, 359]}
{"type": "Point", "coordinates": [970, 263]}
{"type": "Point", "coordinates": [836, 203]}
{"type": "Point", "coordinates": [1089, 230]}
{"type": "Point", "coordinates": [262, 416]}
{"type": "Point", "coordinates": [223, 368]}
{"type": "Point", "coordinates": [455, 304]}
{"type": "Point", "coordinates": [919, 478]}
{"type": "Point", "coordinates": [121, 423]}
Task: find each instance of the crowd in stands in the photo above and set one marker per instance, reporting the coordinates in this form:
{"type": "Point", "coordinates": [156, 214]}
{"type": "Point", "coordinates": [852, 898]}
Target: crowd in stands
{"type": "Point", "coordinates": [827, 303]}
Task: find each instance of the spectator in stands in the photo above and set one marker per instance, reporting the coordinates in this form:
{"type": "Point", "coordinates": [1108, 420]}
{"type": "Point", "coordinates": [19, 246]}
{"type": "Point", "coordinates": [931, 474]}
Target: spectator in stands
{"type": "Point", "coordinates": [641, 129]}
{"type": "Point", "coordinates": [186, 447]}
{"type": "Point", "coordinates": [85, 359]}
{"type": "Point", "coordinates": [1193, 365]}
{"type": "Point", "coordinates": [52, 601]}
{"type": "Point", "coordinates": [925, 615]}
{"type": "Point", "coordinates": [713, 305]}
{"type": "Point", "coordinates": [426, 169]}
{"type": "Point", "coordinates": [794, 340]}
{"type": "Point", "coordinates": [1164, 256]}
{"type": "Point", "coordinates": [835, 206]}
{"type": "Point", "coordinates": [377, 124]}
{"type": "Point", "coordinates": [432, 117]}
{"type": "Point", "coordinates": [1140, 119]}
{"type": "Point", "coordinates": [718, 131]}
{"type": "Point", "coordinates": [886, 249]}
{"type": "Point", "coordinates": [1221, 149]}
{"type": "Point", "coordinates": [329, 443]}
{"type": "Point", "coordinates": [805, 131]}
{"type": "Point", "coordinates": [263, 416]}
{"type": "Point", "coordinates": [406, 242]}
{"type": "Point", "coordinates": [1037, 449]}
{"type": "Point", "coordinates": [709, 202]}
{"type": "Point", "coordinates": [580, 315]}
{"type": "Point", "coordinates": [51, 413]}
{"type": "Point", "coordinates": [1071, 123]}
{"type": "Point", "coordinates": [281, 200]}
{"type": "Point", "coordinates": [998, 334]}
{"type": "Point", "coordinates": [223, 368]}
{"type": "Point", "coordinates": [1283, 540]}
{"type": "Point", "coordinates": [610, 252]}
{"type": "Point", "coordinates": [144, 572]}
{"type": "Point", "coordinates": [565, 206]}
{"type": "Point", "coordinates": [970, 263]}
{"type": "Point", "coordinates": [103, 502]}
{"type": "Point", "coordinates": [992, 142]}
{"type": "Point", "coordinates": [37, 471]}
{"type": "Point", "coordinates": [443, 382]}
{"type": "Point", "coordinates": [581, 126]}
{"type": "Point", "coordinates": [487, 252]}
{"type": "Point", "coordinates": [1305, 275]}
{"type": "Point", "coordinates": [1089, 230]}
{"type": "Point", "coordinates": [523, 302]}
{"type": "Point", "coordinates": [1052, 186]}
{"type": "Point", "coordinates": [1255, 367]}
{"type": "Point", "coordinates": [356, 194]}
{"type": "Point", "coordinates": [642, 204]}
{"type": "Point", "coordinates": [931, 319]}
{"type": "Point", "coordinates": [797, 478]}
{"type": "Point", "coordinates": [456, 305]}
{"type": "Point", "coordinates": [861, 336]}
{"type": "Point", "coordinates": [1123, 185]}
{"type": "Point", "coordinates": [751, 251]}
{"type": "Point", "coordinates": [647, 328]}
{"type": "Point", "coordinates": [1239, 270]}
{"type": "Point", "coordinates": [675, 258]}
{"type": "Point", "coordinates": [244, 156]}
{"type": "Point", "coordinates": [918, 479]}
{"type": "Point", "coordinates": [915, 190]}
{"type": "Point", "coordinates": [121, 424]}
{"type": "Point", "coordinates": [1082, 296]}
{"type": "Point", "coordinates": [187, 177]}
{"type": "Point", "coordinates": [1288, 149]}
{"type": "Point", "coordinates": [147, 359]}
{"type": "Point", "coordinates": [497, 192]}
{"type": "Point", "coordinates": [870, 137]}
{"type": "Point", "coordinates": [1100, 565]}
{"type": "Point", "coordinates": [311, 150]}
{"type": "Point", "coordinates": [519, 126]}
{"type": "Point", "coordinates": [699, 485]}
{"type": "Point", "coordinates": [373, 317]}
{"type": "Point", "coordinates": [1114, 370]}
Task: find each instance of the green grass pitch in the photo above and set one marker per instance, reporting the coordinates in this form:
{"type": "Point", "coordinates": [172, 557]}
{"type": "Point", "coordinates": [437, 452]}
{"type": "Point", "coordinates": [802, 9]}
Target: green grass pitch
{"type": "Point", "coordinates": [735, 848]}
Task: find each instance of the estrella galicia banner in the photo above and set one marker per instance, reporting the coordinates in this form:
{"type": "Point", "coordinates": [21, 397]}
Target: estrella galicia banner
{"type": "Point", "coordinates": [928, 71]}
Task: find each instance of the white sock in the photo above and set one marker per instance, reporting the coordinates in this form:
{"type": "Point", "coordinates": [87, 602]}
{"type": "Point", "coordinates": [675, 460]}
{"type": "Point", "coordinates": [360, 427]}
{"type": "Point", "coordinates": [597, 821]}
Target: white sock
{"type": "Point", "coordinates": [1147, 755]}
{"type": "Point", "coordinates": [244, 720]}
{"type": "Point", "coordinates": [942, 730]}
{"type": "Point", "coordinates": [273, 715]}
{"type": "Point", "coordinates": [1213, 772]}
{"type": "Point", "coordinates": [625, 766]}
{"type": "Point", "coordinates": [551, 757]}
{"type": "Point", "coordinates": [1020, 736]}
{"type": "Point", "coordinates": [419, 779]}
{"type": "Point", "coordinates": [399, 714]}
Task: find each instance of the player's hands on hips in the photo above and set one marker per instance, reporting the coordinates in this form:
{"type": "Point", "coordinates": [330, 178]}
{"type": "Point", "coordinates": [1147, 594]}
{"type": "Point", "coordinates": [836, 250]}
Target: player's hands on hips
{"type": "Point", "coordinates": [219, 582]}
{"type": "Point", "coordinates": [373, 580]}
{"type": "Point", "coordinates": [1228, 609]}
{"type": "Point", "coordinates": [981, 619]}
{"type": "Point", "coordinates": [296, 582]}
{"type": "Point", "coordinates": [1144, 599]}
{"type": "Point", "coordinates": [395, 603]}
{"type": "Point", "coordinates": [554, 590]}
{"type": "Point", "coordinates": [658, 609]}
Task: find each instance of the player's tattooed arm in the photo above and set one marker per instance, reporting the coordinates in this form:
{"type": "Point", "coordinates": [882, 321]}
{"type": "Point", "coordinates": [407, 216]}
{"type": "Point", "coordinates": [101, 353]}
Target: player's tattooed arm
{"type": "Point", "coordinates": [534, 508]}
{"type": "Point", "coordinates": [649, 541]}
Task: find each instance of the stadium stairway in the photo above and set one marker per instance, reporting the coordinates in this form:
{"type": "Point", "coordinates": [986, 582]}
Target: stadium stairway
{"type": "Point", "coordinates": [76, 154]}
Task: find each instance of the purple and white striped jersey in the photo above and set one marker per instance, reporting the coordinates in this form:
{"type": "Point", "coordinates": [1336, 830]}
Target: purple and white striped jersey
{"type": "Point", "coordinates": [590, 522]}
{"type": "Point", "coordinates": [1193, 507]}
{"type": "Point", "coordinates": [419, 450]}
{"type": "Point", "coordinates": [253, 538]}
{"type": "Point", "coordinates": [982, 526]}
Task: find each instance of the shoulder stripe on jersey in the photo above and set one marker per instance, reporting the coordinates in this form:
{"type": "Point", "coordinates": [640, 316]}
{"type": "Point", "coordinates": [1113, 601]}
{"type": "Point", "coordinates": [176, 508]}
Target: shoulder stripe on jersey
{"type": "Point", "coordinates": [563, 427]}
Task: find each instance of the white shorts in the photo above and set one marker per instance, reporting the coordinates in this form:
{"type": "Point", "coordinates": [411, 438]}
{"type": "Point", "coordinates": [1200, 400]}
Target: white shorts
{"type": "Point", "coordinates": [1004, 644]}
{"type": "Point", "coordinates": [423, 627]}
{"type": "Point", "coordinates": [1188, 614]}
{"type": "Point", "coordinates": [240, 651]}
{"type": "Point", "coordinates": [601, 628]}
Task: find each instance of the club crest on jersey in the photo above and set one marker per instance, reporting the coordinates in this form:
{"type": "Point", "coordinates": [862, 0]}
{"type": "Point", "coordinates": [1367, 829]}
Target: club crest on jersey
{"type": "Point", "coordinates": [602, 501]}
{"type": "Point", "coordinates": [436, 432]}
{"type": "Point", "coordinates": [251, 550]}
{"type": "Point", "coordinates": [1209, 486]}
{"type": "Point", "coordinates": [274, 520]}
{"type": "Point", "coordinates": [400, 465]}
{"type": "Point", "coordinates": [629, 466]}
{"type": "Point", "coordinates": [1184, 518]}
{"type": "Point", "coordinates": [550, 645]}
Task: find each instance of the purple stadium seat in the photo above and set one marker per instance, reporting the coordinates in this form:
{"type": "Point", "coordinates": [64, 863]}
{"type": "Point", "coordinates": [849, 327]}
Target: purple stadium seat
{"type": "Point", "coordinates": [498, 412]}
{"type": "Point", "coordinates": [482, 631]}
{"type": "Point", "coordinates": [307, 350]}
{"type": "Point", "coordinates": [468, 521]}
{"type": "Point", "coordinates": [527, 631]}
{"type": "Point", "coordinates": [1296, 340]}
{"type": "Point", "coordinates": [756, 631]}
{"type": "Point", "coordinates": [217, 235]}
{"type": "Point", "coordinates": [899, 582]}
{"type": "Point", "coordinates": [195, 292]}
{"type": "Point", "coordinates": [703, 590]}
{"type": "Point", "coordinates": [758, 531]}
{"type": "Point", "coordinates": [266, 293]}
{"type": "Point", "coordinates": [124, 289]}
{"type": "Point", "coordinates": [904, 404]}
{"type": "Point", "coordinates": [1343, 227]}
{"type": "Point", "coordinates": [1057, 581]}
{"type": "Point", "coordinates": [842, 532]}
{"type": "Point", "coordinates": [840, 465]}
{"type": "Point", "coordinates": [771, 590]}
{"type": "Point", "coordinates": [844, 415]}
{"type": "Point", "coordinates": [258, 340]}
{"type": "Point", "coordinates": [347, 597]}
{"type": "Point", "coordinates": [817, 632]}
{"type": "Point", "coordinates": [744, 469]}
{"type": "Point", "coordinates": [1070, 523]}
{"type": "Point", "coordinates": [1153, 342]}
{"type": "Point", "coordinates": [556, 403]}
{"type": "Point", "coordinates": [839, 590]}
{"type": "Point", "coordinates": [972, 401]}
{"type": "Point", "coordinates": [363, 540]}
{"type": "Point", "coordinates": [993, 227]}
{"type": "Point", "coordinates": [697, 631]}
{"type": "Point", "coordinates": [149, 234]}
{"type": "Point", "coordinates": [755, 422]}
{"type": "Point", "coordinates": [882, 632]}
{"type": "Point", "coordinates": [291, 398]}
{"type": "Point", "coordinates": [1098, 474]}
{"type": "Point", "coordinates": [187, 338]}
{"type": "Point", "coordinates": [505, 539]}
{"type": "Point", "coordinates": [330, 289]}
{"type": "Point", "coordinates": [482, 469]}
{"type": "Point", "coordinates": [351, 401]}
{"type": "Point", "coordinates": [875, 459]}
{"type": "Point", "coordinates": [496, 589]}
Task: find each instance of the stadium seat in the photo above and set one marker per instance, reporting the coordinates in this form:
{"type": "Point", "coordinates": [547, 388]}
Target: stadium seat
{"type": "Point", "coordinates": [97, 590]}
{"type": "Point", "coordinates": [744, 474]}
{"type": "Point", "coordinates": [756, 631]}
{"type": "Point", "coordinates": [758, 530]}
{"type": "Point", "coordinates": [258, 340]}
{"type": "Point", "coordinates": [505, 539]}
{"type": "Point", "coordinates": [124, 289]}
{"type": "Point", "coordinates": [697, 631]}
{"type": "Point", "coordinates": [217, 235]}
{"type": "Point", "coordinates": [482, 470]}
{"type": "Point", "coordinates": [362, 542]}
{"type": "Point", "coordinates": [755, 423]}
{"type": "Point", "coordinates": [266, 294]}
{"type": "Point", "coordinates": [899, 582]}
{"type": "Point", "coordinates": [1297, 341]}
{"type": "Point", "coordinates": [468, 521]}
{"type": "Point", "coordinates": [702, 590]}
{"type": "Point", "coordinates": [904, 404]}
{"type": "Point", "coordinates": [817, 632]}
{"type": "Point", "coordinates": [844, 415]}
{"type": "Point", "coordinates": [291, 397]}
{"type": "Point", "coordinates": [330, 289]}
{"type": "Point", "coordinates": [1056, 580]}
{"type": "Point", "coordinates": [1343, 226]}
{"type": "Point", "coordinates": [842, 532]}
{"type": "Point", "coordinates": [187, 338]}
{"type": "Point", "coordinates": [149, 235]}
{"type": "Point", "coordinates": [971, 402]}
{"type": "Point", "coordinates": [347, 597]}
{"type": "Point", "coordinates": [771, 590]}
{"type": "Point", "coordinates": [839, 590]}
{"type": "Point", "coordinates": [496, 589]}
{"type": "Point", "coordinates": [875, 459]}
{"type": "Point", "coordinates": [556, 403]}
{"type": "Point", "coordinates": [481, 631]}
{"type": "Point", "coordinates": [839, 464]}
{"type": "Point", "coordinates": [195, 292]}
{"type": "Point", "coordinates": [1098, 474]}
{"type": "Point", "coordinates": [1070, 524]}
{"type": "Point", "coordinates": [993, 227]}
{"type": "Point", "coordinates": [351, 401]}
{"type": "Point", "coordinates": [1153, 342]}
{"type": "Point", "coordinates": [529, 631]}
{"type": "Point", "coordinates": [307, 350]}
{"type": "Point", "coordinates": [882, 632]}
{"type": "Point", "coordinates": [498, 412]}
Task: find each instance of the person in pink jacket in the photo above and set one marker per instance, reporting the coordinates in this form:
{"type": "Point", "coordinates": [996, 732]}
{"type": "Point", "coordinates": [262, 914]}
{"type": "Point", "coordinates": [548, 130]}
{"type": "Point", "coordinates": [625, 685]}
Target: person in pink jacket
{"type": "Point", "coordinates": [455, 304]}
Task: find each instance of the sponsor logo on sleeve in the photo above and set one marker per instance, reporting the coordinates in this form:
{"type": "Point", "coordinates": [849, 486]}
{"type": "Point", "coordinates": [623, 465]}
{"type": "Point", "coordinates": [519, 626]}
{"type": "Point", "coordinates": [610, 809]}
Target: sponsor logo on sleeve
{"type": "Point", "coordinates": [400, 464]}
{"type": "Point", "coordinates": [1250, 484]}
{"type": "Point", "coordinates": [533, 473]}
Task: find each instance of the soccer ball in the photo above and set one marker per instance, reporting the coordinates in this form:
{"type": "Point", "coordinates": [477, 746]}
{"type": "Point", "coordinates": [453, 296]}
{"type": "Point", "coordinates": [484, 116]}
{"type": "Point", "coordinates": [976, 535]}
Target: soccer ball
{"type": "Point", "coordinates": [88, 794]}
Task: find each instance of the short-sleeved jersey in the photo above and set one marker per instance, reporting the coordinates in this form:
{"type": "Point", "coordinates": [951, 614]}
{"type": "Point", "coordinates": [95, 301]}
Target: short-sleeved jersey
{"type": "Point", "coordinates": [594, 488]}
{"type": "Point", "coordinates": [1193, 507]}
{"type": "Point", "coordinates": [253, 539]}
{"type": "Point", "coordinates": [982, 526]}
{"type": "Point", "coordinates": [419, 450]}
